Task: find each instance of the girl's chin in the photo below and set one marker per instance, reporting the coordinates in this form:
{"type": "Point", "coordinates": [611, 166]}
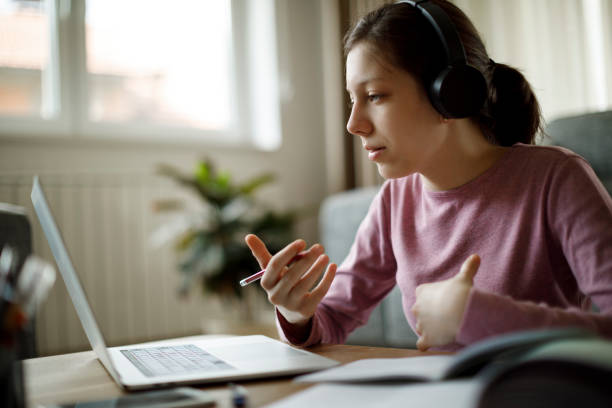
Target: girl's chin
{"type": "Point", "coordinates": [387, 171]}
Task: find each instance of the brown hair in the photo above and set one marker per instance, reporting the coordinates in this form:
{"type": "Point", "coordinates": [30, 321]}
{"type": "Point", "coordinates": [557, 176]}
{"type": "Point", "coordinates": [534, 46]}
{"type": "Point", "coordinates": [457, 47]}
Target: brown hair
{"type": "Point", "coordinates": [405, 39]}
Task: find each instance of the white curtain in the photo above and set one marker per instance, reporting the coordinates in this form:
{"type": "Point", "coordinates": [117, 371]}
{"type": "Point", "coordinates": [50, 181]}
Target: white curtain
{"type": "Point", "coordinates": [563, 47]}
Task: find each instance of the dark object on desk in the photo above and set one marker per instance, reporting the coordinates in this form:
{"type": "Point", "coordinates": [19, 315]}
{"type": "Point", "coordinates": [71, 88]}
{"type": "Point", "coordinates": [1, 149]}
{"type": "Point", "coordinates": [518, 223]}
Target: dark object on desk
{"type": "Point", "coordinates": [560, 374]}
{"type": "Point", "coordinates": [15, 231]}
{"type": "Point", "coordinates": [550, 385]}
{"type": "Point", "coordinates": [22, 287]}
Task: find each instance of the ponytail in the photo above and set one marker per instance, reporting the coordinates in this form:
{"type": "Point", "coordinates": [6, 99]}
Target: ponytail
{"type": "Point", "coordinates": [511, 113]}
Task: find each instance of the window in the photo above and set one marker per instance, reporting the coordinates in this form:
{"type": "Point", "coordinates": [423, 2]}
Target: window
{"type": "Point", "coordinates": [137, 70]}
{"type": "Point", "coordinates": [24, 58]}
{"type": "Point", "coordinates": [146, 62]}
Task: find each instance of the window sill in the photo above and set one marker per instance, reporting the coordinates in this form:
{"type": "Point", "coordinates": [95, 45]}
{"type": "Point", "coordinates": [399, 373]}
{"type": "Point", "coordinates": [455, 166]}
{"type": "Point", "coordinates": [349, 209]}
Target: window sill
{"type": "Point", "coordinates": [135, 143]}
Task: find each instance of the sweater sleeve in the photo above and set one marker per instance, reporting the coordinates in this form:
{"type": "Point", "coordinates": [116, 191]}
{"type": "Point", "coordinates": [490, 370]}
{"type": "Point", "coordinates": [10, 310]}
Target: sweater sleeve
{"type": "Point", "coordinates": [361, 282]}
{"type": "Point", "coordinates": [579, 212]}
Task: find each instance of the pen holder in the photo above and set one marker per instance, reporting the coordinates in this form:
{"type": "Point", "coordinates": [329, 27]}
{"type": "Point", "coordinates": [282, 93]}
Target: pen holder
{"type": "Point", "coordinates": [22, 287]}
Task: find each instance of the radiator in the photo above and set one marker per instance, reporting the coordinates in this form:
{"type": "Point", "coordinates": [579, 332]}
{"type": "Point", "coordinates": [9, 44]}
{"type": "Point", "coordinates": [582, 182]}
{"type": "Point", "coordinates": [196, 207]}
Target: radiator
{"type": "Point", "coordinates": [106, 221]}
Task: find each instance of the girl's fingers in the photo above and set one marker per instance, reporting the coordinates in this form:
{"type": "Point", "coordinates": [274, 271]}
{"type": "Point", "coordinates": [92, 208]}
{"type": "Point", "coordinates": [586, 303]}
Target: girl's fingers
{"type": "Point", "coordinates": [277, 263]}
{"type": "Point", "coordinates": [259, 250]}
{"type": "Point", "coordinates": [291, 285]}
{"type": "Point", "coordinates": [282, 292]}
{"type": "Point", "coordinates": [316, 295]}
{"type": "Point", "coordinates": [299, 268]}
{"type": "Point", "coordinates": [308, 279]}
{"type": "Point", "coordinates": [299, 298]}
{"type": "Point", "coordinates": [418, 329]}
{"type": "Point", "coordinates": [422, 344]}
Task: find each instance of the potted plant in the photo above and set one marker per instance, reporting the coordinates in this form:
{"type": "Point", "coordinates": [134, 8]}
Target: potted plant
{"type": "Point", "coordinates": [211, 243]}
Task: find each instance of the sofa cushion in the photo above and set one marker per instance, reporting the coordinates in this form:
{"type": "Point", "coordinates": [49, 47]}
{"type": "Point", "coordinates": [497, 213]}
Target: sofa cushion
{"type": "Point", "coordinates": [339, 219]}
{"type": "Point", "coordinates": [590, 136]}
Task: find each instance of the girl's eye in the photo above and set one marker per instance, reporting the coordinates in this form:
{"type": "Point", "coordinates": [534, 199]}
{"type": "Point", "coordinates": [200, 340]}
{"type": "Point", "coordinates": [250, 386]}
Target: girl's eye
{"type": "Point", "coordinates": [374, 97]}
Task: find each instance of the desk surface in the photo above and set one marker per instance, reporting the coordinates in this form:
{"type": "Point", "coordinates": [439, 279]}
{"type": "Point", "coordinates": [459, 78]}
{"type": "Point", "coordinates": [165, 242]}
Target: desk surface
{"type": "Point", "coordinates": [81, 377]}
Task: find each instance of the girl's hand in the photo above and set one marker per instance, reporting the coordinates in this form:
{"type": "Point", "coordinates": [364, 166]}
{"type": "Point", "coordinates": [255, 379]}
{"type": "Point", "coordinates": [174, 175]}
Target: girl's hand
{"type": "Point", "coordinates": [290, 285]}
{"type": "Point", "coordinates": [439, 306]}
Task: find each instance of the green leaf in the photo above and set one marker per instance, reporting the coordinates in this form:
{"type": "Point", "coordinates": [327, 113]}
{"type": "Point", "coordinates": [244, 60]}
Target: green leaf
{"type": "Point", "coordinates": [186, 241]}
{"type": "Point", "coordinates": [202, 172]}
{"type": "Point", "coordinates": [250, 186]}
{"type": "Point", "coordinates": [223, 180]}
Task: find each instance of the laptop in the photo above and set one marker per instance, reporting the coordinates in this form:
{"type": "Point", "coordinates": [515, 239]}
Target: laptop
{"type": "Point", "coordinates": [174, 362]}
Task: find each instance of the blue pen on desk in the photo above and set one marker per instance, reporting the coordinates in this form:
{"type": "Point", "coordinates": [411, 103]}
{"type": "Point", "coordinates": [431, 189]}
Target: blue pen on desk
{"type": "Point", "coordinates": [239, 395]}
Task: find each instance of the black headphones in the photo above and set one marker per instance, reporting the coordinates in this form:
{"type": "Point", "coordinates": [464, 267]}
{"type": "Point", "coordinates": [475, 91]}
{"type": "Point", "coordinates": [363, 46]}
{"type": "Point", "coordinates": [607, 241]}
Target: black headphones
{"type": "Point", "coordinates": [459, 90]}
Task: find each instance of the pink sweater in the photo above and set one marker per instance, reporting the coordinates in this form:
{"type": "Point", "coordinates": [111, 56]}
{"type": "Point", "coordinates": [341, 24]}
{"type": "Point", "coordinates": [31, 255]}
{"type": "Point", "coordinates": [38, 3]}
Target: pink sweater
{"type": "Point", "coordinates": [539, 219]}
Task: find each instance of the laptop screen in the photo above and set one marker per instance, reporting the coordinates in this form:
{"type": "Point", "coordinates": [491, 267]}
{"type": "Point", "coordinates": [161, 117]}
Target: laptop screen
{"type": "Point", "coordinates": [64, 264]}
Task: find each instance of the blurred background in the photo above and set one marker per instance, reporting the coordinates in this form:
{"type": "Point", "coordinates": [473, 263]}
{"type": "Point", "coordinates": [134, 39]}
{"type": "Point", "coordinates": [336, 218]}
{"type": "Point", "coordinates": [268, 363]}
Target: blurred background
{"type": "Point", "coordinates": [95, 95]}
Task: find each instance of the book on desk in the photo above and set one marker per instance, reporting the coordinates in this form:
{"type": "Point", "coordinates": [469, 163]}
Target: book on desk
{"type": "Point", "coordinates": [537, 368]}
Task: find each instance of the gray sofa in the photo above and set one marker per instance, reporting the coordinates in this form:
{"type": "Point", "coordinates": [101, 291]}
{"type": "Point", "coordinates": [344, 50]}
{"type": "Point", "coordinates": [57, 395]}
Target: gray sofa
{"type": "Point", "coordinates": [339, 218]}
{"type": "Point", "coordinates": [589, 135]}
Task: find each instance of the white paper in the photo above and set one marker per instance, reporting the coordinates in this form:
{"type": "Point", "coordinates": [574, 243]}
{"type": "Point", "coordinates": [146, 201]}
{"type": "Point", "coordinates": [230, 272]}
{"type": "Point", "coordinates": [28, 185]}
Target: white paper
{"type": "Point", "coordinates": [426, 368]}
{"type": "Point", "coordinates": [455, 393]}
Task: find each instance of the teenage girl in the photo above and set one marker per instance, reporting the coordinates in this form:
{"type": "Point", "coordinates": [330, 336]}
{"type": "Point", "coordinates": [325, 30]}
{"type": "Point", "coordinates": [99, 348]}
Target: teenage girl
{"type": "Point", "coordinates": [484, 232]}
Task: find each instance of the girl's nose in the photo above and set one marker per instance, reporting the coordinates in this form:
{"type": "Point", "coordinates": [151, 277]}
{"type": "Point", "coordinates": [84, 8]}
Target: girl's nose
{"type": "Point", "coordinates": [358, 124]}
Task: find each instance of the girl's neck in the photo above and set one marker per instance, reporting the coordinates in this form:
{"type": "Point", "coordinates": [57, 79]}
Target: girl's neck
{"type": "Point", "coordinates": [464, 155]}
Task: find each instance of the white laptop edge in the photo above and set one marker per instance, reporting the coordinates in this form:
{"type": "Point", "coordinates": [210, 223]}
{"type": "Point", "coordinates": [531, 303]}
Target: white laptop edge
{"type": "Point", "coordinates": [135, 380]}
{"type": "Point", "coordinates": [54, 238]}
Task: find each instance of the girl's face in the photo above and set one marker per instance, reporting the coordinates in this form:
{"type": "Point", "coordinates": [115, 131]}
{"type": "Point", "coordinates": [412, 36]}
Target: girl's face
{"type": "Point", "coordinates": [392, 115]}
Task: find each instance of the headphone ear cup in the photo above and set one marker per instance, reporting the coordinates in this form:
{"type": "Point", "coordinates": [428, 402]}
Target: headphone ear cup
{"type": "Point", "coordinates": [458, 91]}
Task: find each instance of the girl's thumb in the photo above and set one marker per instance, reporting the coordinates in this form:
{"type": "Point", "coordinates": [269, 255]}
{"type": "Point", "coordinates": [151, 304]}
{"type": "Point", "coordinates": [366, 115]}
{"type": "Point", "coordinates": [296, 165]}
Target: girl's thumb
{"type": "Point", "coordinates": [469, 269]}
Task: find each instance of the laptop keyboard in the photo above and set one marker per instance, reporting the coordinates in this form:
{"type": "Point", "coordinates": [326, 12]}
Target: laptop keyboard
{"type": "Point", "coordinates": [171, 360]}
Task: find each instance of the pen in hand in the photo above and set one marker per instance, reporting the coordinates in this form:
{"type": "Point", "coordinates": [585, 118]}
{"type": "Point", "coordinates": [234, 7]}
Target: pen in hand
{"type": "Point", "coordinates": [256, 276]}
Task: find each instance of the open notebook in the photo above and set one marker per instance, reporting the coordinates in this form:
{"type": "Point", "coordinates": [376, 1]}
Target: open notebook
{"type": "Point", "coordinates": [548, 368]}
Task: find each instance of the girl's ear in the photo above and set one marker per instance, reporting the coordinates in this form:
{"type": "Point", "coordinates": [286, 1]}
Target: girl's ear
{"type": "Point", "coordinates": [443, 119]}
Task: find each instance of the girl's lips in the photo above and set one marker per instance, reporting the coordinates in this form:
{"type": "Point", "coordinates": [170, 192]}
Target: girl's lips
{"type": "Point", "coordinates": [375, 152]}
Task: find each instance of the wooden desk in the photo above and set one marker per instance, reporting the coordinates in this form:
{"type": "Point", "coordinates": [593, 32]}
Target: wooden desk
{"type": "Point", "coordinates": [81, 377]}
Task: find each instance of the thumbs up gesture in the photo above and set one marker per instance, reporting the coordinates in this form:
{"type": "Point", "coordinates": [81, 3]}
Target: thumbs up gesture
{"type": "Point", "coordinates": [439, 306]}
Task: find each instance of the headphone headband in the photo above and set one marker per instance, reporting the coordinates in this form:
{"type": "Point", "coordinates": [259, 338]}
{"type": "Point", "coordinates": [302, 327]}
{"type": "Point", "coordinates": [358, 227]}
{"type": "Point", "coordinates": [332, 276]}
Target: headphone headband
{"type": "Point", "coordinates": [444, 28]}
{"type": "Point", "coordinates": [459, 90]}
